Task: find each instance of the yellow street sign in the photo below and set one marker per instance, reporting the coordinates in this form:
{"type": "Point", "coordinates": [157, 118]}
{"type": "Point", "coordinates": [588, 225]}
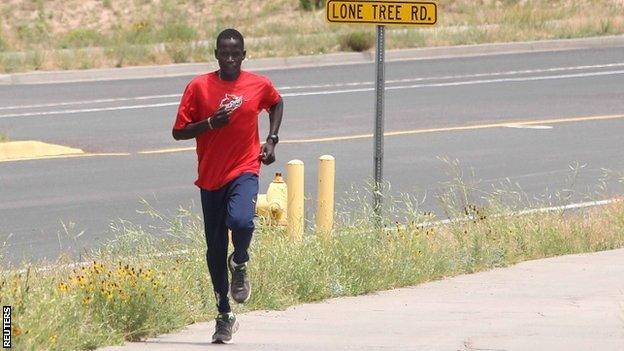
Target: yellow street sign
{"type": "Point", "coordinates": [423, 13]}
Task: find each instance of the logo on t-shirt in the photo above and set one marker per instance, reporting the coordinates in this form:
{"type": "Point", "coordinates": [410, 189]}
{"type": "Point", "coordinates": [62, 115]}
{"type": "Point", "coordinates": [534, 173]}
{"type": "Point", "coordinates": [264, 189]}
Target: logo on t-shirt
{"type": "Point", "coordinates": [231, 102]}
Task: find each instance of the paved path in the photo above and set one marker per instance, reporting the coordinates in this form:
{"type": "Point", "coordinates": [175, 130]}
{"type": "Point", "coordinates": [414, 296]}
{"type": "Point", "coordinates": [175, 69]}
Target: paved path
{"type": "Point", "coordinates": [565, 303]}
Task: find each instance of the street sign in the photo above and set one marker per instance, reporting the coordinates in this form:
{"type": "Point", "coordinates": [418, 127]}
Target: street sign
{"type": "Point", "coordinates": [381, 13]}
{"type": "Point", "coordinates": [421, 13]}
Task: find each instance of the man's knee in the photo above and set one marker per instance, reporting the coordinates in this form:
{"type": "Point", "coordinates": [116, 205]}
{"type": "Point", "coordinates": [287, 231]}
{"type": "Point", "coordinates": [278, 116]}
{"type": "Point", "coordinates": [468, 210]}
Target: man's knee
{"type": "Point", "coordinates": [240, 222]}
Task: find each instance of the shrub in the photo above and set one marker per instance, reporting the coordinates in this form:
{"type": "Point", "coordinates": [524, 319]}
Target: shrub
{"type": "Point", "coordinates": [357, 41]}
{"type": "Point", "coordinates": [310, 5]}
{"type": "Point", "coordinates": [33, 32]}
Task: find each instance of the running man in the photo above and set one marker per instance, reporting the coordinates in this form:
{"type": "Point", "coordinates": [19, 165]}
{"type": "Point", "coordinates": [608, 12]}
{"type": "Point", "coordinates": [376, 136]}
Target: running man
{"type": "Point", "coordinates": [220, 110]}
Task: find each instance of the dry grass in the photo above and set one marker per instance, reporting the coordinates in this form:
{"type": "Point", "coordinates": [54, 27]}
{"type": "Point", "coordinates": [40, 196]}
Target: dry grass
{"type": "Point", "coordinates": [113, 33]}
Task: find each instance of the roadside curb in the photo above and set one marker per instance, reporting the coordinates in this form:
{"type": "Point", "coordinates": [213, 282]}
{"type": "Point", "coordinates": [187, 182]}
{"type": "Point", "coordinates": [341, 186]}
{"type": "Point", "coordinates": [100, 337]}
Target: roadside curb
{"type": "Point", "coordinates": [265, 64]}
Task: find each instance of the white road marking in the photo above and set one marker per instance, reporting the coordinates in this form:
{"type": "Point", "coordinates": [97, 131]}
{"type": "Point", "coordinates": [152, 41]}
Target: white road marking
{"type": "Point", "coordinates": [332, 92]}
{"type": "Point", "coordinates": [86, 102]}
{"type": "Point", "coordinates": [574, 206]}
{"type": "Point", "coordinates": [455, 84]}
{"type": "Point", "coordinates": [100, 109]}
{"type": "Point", "coordinates": [476, 75]}
{"type": "Point", "coordinates": [524, 126]}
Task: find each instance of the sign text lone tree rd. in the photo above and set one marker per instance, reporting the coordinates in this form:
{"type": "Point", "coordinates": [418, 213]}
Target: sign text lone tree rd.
{"type": "Point", "coordinates": [382, 12]}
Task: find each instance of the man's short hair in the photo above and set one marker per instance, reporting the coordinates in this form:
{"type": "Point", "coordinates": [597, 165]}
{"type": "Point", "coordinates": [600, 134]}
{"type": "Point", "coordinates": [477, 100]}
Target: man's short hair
{"type": "Point", "coordinates": [230, 33]}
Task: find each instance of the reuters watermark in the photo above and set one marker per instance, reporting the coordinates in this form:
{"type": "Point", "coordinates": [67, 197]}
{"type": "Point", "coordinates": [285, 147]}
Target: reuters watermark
{"type": "Point", "coordinates": [6, 327]}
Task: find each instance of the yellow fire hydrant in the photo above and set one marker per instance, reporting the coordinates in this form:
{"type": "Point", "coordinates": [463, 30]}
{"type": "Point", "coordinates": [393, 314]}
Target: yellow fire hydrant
{"type": "Point", "coordinates": [273, 205]}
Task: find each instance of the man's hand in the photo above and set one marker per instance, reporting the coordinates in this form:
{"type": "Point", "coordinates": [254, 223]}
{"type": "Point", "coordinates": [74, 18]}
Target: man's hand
{"type": "Point", "coordinates": [220, 119]}
{"type": "Point", "coordinates": [267, 153]}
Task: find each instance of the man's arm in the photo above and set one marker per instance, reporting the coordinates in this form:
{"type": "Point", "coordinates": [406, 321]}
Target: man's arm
{"type": "Point", "coordinates": [275, 120]}
{"type": "Point", "coordinates": [191, 130]}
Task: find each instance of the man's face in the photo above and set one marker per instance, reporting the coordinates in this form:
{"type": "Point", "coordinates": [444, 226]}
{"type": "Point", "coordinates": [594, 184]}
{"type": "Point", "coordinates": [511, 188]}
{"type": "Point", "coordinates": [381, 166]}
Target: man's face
{"type": "Point", "coordinates": [230, 54]}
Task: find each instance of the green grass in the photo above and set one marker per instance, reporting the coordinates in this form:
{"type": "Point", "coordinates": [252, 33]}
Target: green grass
{"type": "Point", "coordinates": [3, 138]}
{"type": "Point", "coordinates": [152, 280]}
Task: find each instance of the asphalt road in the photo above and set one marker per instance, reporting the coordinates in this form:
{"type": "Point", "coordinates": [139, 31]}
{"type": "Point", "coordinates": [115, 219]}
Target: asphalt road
{"type": "Point", "coordinates": [473, 110]}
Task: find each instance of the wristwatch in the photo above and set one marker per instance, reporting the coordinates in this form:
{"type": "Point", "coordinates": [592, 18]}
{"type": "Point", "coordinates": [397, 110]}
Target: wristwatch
{"type": "Point", "coordinates": [274, 138]}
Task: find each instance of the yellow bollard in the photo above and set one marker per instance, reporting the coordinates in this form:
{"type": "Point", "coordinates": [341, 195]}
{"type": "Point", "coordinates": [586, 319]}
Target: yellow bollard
{"type": "Point", "coordinates": [325, 201]}
{"type": "Point", "coordinates": [295, 184]}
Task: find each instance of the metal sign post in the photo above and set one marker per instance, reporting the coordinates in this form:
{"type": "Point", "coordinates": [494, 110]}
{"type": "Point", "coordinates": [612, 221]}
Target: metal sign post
{"type": "Point", "coordinates": [380, 86]}
{"type": "Point", "coordinates": [381, 13]}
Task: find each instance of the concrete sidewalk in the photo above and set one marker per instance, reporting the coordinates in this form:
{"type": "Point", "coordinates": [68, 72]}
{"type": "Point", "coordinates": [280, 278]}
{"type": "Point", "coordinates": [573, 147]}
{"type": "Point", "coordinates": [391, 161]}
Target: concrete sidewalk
{"type": "Point", "coordinates": [564, 303]}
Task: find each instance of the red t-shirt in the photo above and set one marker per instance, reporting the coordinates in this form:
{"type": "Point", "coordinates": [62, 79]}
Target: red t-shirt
{"type": "Point", "coordinates": [225, 153]}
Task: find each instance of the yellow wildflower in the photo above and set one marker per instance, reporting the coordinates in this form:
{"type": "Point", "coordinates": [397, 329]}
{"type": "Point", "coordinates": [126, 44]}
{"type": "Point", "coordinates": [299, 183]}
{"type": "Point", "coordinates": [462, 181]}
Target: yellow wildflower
{"type": "Point", "coordinates": [121, 272]}
{"type": "Point", "coordinates": [63, 287]}
{"type": "Point", "coordinates": [97, 268]}
{"type": "Point", "coordinates": [74, 280]}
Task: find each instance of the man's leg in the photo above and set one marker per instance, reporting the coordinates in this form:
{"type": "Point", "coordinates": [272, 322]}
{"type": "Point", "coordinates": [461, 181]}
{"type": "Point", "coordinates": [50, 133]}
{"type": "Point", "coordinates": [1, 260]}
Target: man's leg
{"type": "Point", "coordinates": [242, 194]}
{"type": "Point", "coordinates": [214, 209]}
{"type": "Point", "coordinates": [241, 207]}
